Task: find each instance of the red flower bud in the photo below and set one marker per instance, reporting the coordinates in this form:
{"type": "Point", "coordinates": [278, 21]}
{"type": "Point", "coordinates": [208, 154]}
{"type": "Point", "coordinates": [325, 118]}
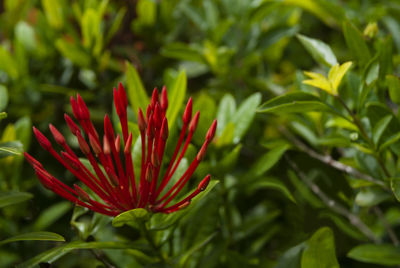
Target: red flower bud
{"type": "Point", "coordinates": [43, 141]}
{"type": "Point", "coordinates": [82, 194]}
{"type": "Point", "coordinates": [211, 131]}
{"type": "Point", "coordinates": [83, 144]}
{"type": "Point", "coordinates": [195, 121]}
{"type": "Point", "coordinates": [58, 137]}
{"type": "Point", "coordinates": [71, 124]}
{"type": "Point", "coordinates": [204, 183]}
{"type": "Point", "coordinates": [164, 99]}
{"type": "Point", "coordinates": [187, 114]}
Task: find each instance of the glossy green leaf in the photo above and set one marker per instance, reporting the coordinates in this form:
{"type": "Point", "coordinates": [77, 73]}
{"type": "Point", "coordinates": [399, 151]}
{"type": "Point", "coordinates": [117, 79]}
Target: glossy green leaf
{"type": "Point", "coordinates": [272, 183]}
{"type": "Point", "coordinates": [131, 217]}
{"type": "Point", "coordinates": [73, 52]}
{"type": "Point", "coordinates": [136, 92]}
{"type": "Point", "coordinates": [320, 250]}
{"type": "Point", "coordinates": [176, 96]}
{"type": "Point", "coordinates": [54, 13]}
{"type": "Point", "coordinates": [294, 102]}
{"type": "Point", "coordinates": [355, 42]}
{"type": "Point", "coordinates": [226, 110]}
{"type": "Point", "coordinates": [54, 254]}
{"type": "Point", "coordinates": [3, 97]}
{"type": "Point", "coordinates": [244, 116]}
{"type": "Point", "coordinates": [184, 258]}
{"type": "Point", "coordinates": [291, 258]}
{"type": "Point", "coordinates": [10, 148]}
{"type": "Point", "coordinates": [51, 215]}
{"type": "Point", "coordinates": [395, 186]}
{"type": "Point", "coordinates": [383, 254]}
{"type": "Point", "coordinates": [393, 83]}
{"type": "Point", "coordinates": [269, 159]}
{"type": "Point", "coordinates": [46, 236]}
{"type": "Point", "coordinates": [11, 198]}
{"type": "Point", "coordinates": [380, 127]}
{"type": "Point", "coordinates": [371, 196]}
{"type": "Point", "coordinates": [8, 64]}
{"type": "Point", "coordinates": [320, 51]}
{"type": "Point", "coordinates": [3, 115]}
{"type": "Point", "coordinates": [182, 51]}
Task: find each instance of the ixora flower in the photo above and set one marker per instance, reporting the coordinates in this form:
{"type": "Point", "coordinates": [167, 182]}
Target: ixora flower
{"type": "Point", "coordinates": [115, 183]}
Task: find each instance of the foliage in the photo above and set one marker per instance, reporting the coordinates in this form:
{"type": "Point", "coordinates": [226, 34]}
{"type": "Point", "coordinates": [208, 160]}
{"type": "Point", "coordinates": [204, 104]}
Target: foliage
{"type": "Point", "coordinates": [305, 162]}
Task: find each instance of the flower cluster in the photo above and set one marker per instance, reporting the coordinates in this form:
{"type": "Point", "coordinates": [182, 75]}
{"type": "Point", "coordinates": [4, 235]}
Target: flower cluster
{"type": "Point", "coordinates": [114, 180]}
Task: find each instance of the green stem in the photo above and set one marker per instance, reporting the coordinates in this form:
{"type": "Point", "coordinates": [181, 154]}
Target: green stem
{"type": "Point", "coordinates": [147, 234]}
{"type": "Point", "coordinates": [364, 134]}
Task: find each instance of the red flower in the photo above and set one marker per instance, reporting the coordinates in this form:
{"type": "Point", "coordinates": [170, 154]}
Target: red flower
{"type": "Point", "coordinates": [116, 184]}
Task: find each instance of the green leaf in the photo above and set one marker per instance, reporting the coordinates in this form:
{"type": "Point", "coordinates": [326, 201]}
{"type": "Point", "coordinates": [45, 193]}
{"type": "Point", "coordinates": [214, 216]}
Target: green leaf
{"type": "Point", "coordinates": [244, 116]}
{"type": "Point", "coordinates": [380, 127]}
{"type": "Point", "coordinates": [384, 254]}
{"type": "Point", "coordinates": [10, 148]}
{"type": "Point", "coordinates": [320, 51]}
{"type": "Point", "coordinates": [8, 64]}
{"type": "Point", "coordinates": [176, 96]}
{"type": "Point", "coordinates": [136, 92]}
{"type": "Point", "coordinates": [371, 196]}
{"type": "Point", "coordinates": [294, 102]}
{"type": "Point", "coordinates": [320, 250]}
{"type": "Point", "coordinates": [355, 42]}
{"type": "Point", "coordinates": [51, 215]}
{"type": "Point", "coordinates": [3, 97]}
{"type": "Point", "coordinates": [395, 186]}
{"type": "Point", "coordinates": [25, 34]}
{"type": "Point", "coordinates": [54, 254]}
{"type": "Point", "coordinates": [53, 11]}
{"type": "Point", "coordinates": [393, 83]}
{"type": "Point", "coordinates": [182, 51]}
{"type": "Point", "coordinates": [73, 52]}
{"type": "Point", "coordinates": [269, 159]}
{"type": "Point", "coordinates": [393, 139]}
{"type": "Point", "coordinates": [185, 257]}
{"type": "Point", "coordinates": [272, 183]}
{"type": "Point", "coordinates": [11, 198]}
{"type": "Point", "coordinates": [45, 236]}
{"type": "Point", "coordinates": [226, 110]}
{"type": "Point", "coordinates": [131, 217]}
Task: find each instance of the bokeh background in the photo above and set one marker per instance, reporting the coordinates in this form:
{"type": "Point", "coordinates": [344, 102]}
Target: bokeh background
{"type": "Point", "coordinates": [230, 56]}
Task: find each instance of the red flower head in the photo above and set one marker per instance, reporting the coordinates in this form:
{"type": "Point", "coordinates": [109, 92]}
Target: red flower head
{"type": "Point", "coordinates": [116, 184]}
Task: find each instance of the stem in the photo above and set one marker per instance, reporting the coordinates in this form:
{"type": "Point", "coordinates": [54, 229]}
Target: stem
{"type": "Point", "coordinates": [327, 159]}
{"type": "Point", "coordinates": [364, 134]}
{"type": "Point", "coordinates": [353, 219]}
{"type": "Point", "coordinates": [100, 256]}
{"type": "Point", "coordinates": [150, 239]}
{"type": "Point", "coordinates": [388, 228]}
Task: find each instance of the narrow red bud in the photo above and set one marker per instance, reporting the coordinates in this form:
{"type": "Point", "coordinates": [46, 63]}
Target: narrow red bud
{"type": "Point", "coordinates": [211, 131]}
{"type": "Point", "coordinates": [122, 94]}
{"type": "Point", "coordinates": [108, 129]}
{"type": "Point", "coordinates": [141, 121]}
{"type": "Point", "coordinates": [85, 114]}
{"type": "Point", "coordinates": [157, 116]}
{"type": "Point", "coordinates": [155, 98]}
{"type": "Point", "coordinates": [43, 141]}
{"type": "Point", "coordinates": [82, 194]}
{"type": "Point", "coordinates": [164, 129]}
{"type": "Point", "coordinates": [44, 179]}
{"type": "Point", "coordinates": [194, 122]}
{"type": "Point", "coordinates": [150, 128]}
{"type": "Point", "coordinates": [94, 144]}
{"type": "Point", "coordinates": [164, 99]}
{"type": "Point", "coordinates": [32, 160]}
{"type": "Point", "coordinates": [118, 143]}
{"type": "Point", "coordinates": [202, 152]}
{"type": "Point", "coordinates": [106, 145]}
{"type": "Point", "coordinates": [83, 144]}
{"type": "Point", "coordinates": [128, 145]}
{"type": "Point", "coordinates": [71, 124]}
{"type": "Point", "coordinates": [113, 177]}
{"type": "Point", "coordinates": [187, 114]}
{"type": "Point", "coordinates": [149, 111]}
{"type": "Point", "coordinates": [75, 108]}
{"type": "Point", "coordinates": [149, 173]}
{"type": "Point", "coordinates": [70, 160]}
{"type": "Point", "coordinates": [204, 183]}
{"type": "Point", "coordinates": [58, 137]}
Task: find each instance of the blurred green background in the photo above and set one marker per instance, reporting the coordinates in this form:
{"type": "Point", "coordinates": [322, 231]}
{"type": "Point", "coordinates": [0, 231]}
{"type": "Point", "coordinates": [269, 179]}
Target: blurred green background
{"type": "Point", "coordinates": [230, 56]}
